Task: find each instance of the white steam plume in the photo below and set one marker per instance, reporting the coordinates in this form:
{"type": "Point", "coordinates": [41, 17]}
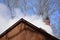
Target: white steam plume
{"type": "Point", "coordinates": [36, 20]}
{"type": "Point", "coordinates": [4, 11]}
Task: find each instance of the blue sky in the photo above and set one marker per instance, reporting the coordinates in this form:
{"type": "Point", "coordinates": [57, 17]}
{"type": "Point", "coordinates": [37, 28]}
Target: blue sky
{"type": "Point", "coordinates": [1, 1]}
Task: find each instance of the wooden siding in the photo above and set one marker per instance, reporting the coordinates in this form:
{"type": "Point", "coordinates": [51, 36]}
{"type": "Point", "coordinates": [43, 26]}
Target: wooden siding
{"type": "Point", "coordinates": [23, 32]}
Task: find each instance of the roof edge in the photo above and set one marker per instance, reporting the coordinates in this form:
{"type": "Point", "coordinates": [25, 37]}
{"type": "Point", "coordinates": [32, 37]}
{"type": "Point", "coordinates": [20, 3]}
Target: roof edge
{"type": "Point", "coordinates": [39, 30]}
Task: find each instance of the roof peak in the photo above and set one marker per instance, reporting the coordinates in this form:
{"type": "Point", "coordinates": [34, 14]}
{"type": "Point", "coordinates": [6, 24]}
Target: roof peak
{"type": "Point", "coordinates": [22, 20]}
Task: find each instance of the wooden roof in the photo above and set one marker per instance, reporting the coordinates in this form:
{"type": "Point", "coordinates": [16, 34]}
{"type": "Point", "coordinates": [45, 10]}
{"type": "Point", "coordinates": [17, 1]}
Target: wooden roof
{"type": "Point", "coordinates": [39, 30]}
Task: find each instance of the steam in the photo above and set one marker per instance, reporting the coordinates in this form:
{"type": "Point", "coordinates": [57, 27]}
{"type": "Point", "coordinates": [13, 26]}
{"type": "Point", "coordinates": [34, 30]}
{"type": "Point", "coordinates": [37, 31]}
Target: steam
{"type": "Point", "coordinates": [4, 11]}
{"type": "Point", "coordinates": [5, 23]}
{"type": "Point", "coordinates": [36, 20]}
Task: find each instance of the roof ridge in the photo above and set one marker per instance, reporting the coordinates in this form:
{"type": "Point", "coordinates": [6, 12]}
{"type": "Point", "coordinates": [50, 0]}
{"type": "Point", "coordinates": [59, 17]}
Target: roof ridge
{"type": "Point", "coordinates": [39, 30]}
